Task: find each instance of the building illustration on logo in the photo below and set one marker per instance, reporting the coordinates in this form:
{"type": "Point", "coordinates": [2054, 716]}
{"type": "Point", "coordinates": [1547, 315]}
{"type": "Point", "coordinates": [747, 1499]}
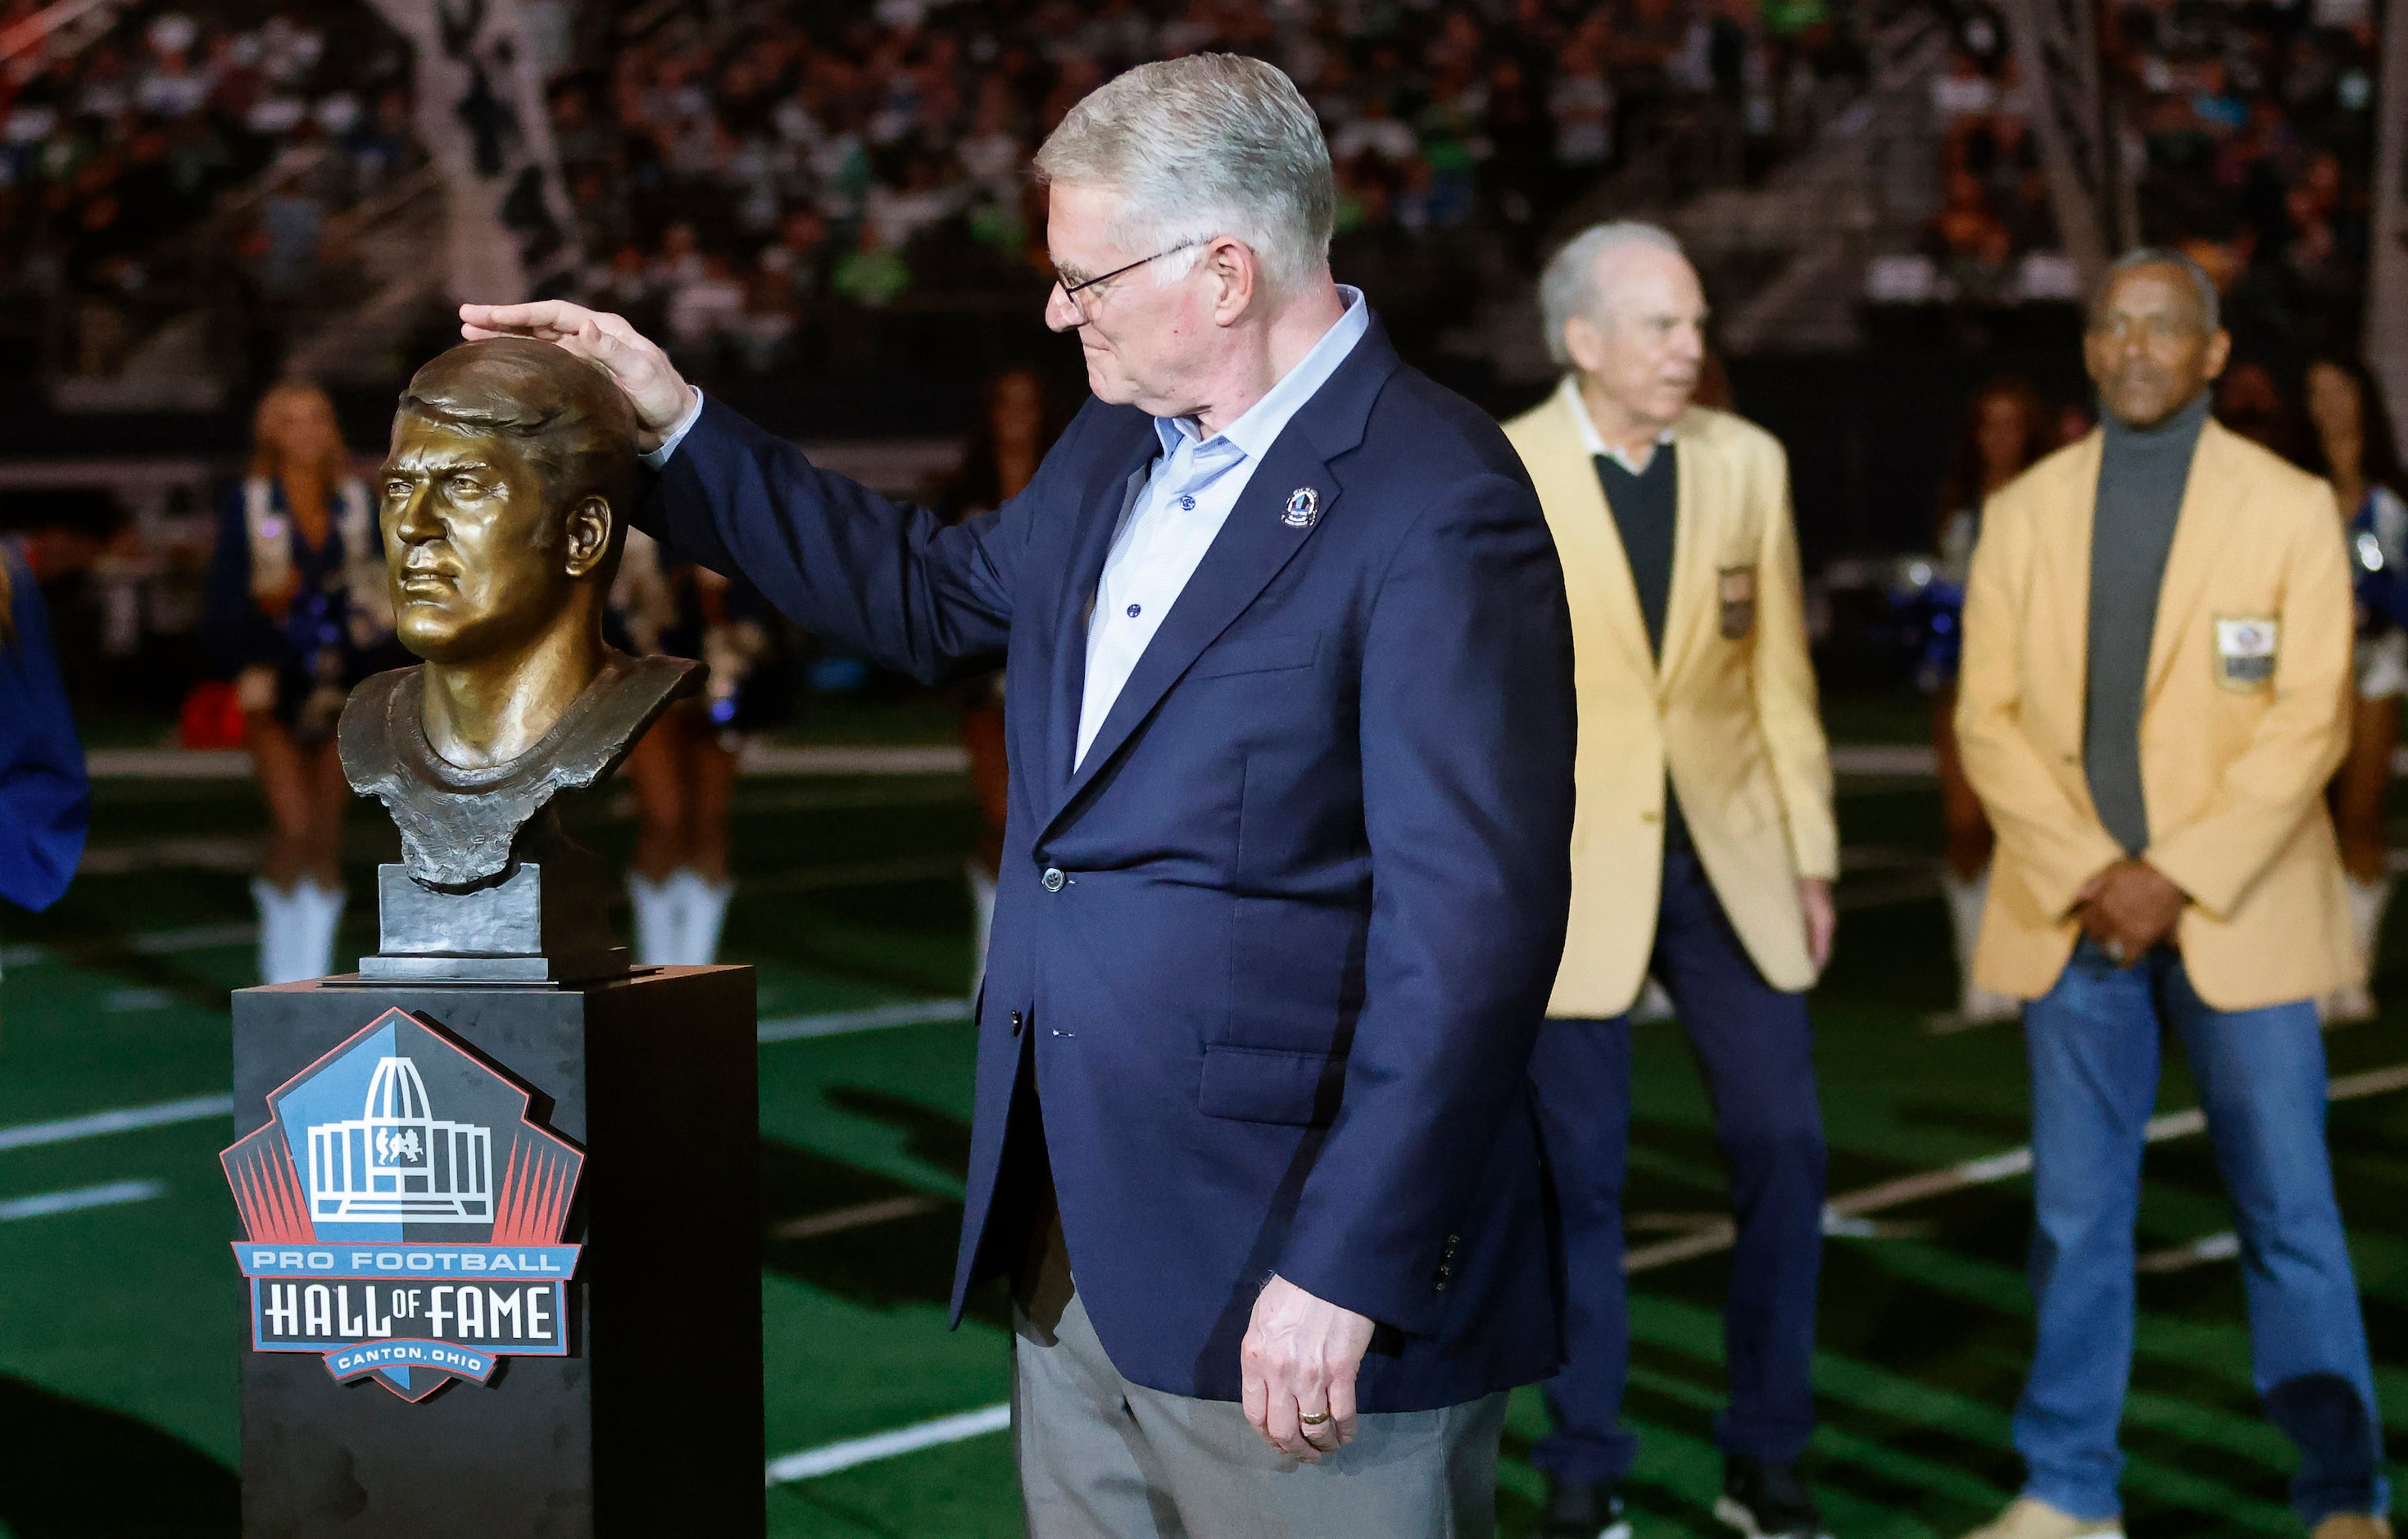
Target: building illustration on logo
{"type": "Point", "coordinates": [403, 1215]}
{"type": "Point", "coordinates": [397, 1161]}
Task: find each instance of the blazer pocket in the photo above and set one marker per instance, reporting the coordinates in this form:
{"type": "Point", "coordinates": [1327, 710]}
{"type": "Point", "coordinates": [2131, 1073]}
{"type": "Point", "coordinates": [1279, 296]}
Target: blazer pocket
{"type": "Point", "coordinates": [1270, 1085]}
{"type": "Point", "coordinates": [1256, 655]}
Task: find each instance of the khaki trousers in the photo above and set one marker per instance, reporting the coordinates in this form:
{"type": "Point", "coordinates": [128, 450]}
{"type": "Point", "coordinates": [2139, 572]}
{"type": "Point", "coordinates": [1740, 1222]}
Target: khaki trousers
{"type": "Point", "coordinates": [1101, 1458]}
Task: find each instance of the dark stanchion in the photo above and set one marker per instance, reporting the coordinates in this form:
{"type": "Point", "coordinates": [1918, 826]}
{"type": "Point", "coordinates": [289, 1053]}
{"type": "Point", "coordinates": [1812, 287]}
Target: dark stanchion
{"type": "Point", "coordinates": [638, 1412]}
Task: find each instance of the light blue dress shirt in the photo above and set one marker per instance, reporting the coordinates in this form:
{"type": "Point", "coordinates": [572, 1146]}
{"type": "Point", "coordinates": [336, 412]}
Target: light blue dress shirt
{"type": "Point", "coordinates": [1172, 522]}
{"type": "Point", "coordinates": [1188, 496]}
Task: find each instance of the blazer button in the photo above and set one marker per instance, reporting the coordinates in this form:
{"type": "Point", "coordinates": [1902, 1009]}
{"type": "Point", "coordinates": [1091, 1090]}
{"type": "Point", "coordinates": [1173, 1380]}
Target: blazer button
{"type": "Point", "coordinates": [1018, 1020]}
{"type": "Point", "coordinates": [1054, 880]}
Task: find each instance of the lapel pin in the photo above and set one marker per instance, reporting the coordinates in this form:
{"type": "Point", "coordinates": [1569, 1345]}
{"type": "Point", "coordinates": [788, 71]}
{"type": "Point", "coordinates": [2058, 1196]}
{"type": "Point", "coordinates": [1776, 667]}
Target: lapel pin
{"type": "Point", "coordinates": [1303, 509]}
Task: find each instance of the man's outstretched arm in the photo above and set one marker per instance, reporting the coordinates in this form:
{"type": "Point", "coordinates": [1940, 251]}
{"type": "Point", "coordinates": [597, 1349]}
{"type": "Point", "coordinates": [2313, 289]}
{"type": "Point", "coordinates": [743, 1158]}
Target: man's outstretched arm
{"type": "Point", "coordinates": [891, 580]}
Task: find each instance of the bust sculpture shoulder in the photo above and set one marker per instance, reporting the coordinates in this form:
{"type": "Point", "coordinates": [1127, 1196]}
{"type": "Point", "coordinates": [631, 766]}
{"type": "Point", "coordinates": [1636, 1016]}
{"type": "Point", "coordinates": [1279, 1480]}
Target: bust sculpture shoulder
{"type": "Point", "coordinates": [503, 507]}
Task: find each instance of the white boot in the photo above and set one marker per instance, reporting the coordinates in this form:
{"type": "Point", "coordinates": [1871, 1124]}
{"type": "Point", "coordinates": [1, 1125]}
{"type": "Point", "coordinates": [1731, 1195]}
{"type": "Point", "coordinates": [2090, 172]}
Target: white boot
{"type": "Point", "coordinates": [702, 914]}
{"type": "Point", "coordinates": [321, 910]}
{"type": "Point", "coordinates": [281, 922]}
{"type": "Point", "coordinates": [983, 902]}
{"type": "Point", "coordinates": [1974, 1003]}
{"type": "Point", "coordinates": [657, 926]}
{"type": "Point", "coordinates": [2356, 1002]}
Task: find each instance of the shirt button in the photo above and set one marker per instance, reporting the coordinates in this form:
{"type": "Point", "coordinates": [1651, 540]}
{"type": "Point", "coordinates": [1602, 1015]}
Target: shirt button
{"type": "Point", "coordinates": [1136, 609]}
{"type": "Point", "coordinates": [1054, 880]}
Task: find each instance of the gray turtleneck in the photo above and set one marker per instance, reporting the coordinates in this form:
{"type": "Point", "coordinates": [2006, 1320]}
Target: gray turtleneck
{"type": "Point", "coordinates": [2141, 480]}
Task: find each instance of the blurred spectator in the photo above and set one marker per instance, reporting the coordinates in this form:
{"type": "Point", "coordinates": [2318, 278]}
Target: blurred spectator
{"type": "Point", "coordinates": [45, 800]}
{"type": "Point", "coordinates": [2351, 445]}
{"type": "Point", "coordinates": [299, 611]}
{"type": "Point", "coordinates": [1017, 423]}
{"type": "Point", "coordinates": [2007, 430]}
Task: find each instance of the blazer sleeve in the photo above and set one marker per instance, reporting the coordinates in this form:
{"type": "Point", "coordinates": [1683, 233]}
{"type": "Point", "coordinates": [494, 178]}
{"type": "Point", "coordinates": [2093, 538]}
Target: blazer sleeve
{"type": "Point", "coordinates": [1467, 735]}
{"type": "Point", "coordinates": [2298, 743]}
{"type": "Point", "coordinates": [45, 800]}
{"type": "Point", "coordinates": [890, 580]}
{"type": "Point", "coordinates": [1787, 705]}
{"type": "Point", "coordinates": [2058, 845]}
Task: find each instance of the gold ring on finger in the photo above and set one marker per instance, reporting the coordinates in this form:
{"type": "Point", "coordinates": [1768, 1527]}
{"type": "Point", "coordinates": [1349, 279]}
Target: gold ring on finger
{"type": "Point", "coordinates": [1314, 1418]}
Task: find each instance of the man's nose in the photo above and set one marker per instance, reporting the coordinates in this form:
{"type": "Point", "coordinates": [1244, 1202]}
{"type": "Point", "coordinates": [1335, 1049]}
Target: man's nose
{"type": "Point", "coordinates": [1061, 314]}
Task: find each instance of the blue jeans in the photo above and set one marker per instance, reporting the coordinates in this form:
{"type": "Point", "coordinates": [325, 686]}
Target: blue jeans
{"type": "Point", "coordinates": [2092, 1041]}
{"type": "Point", "coordinates": [1754, 1047]}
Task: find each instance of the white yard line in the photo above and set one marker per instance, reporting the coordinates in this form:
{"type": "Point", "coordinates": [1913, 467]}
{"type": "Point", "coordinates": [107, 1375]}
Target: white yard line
{"type": "Point", "coordinates": [110, 1196]}
{"type": "Point", "coordinates": [124, 1119]}
{"type": "Point", "coordinates": [1973, 1172]}
{"type": "Point", "coordinates": [813, 1463]}
{"type": "Point", "coordinates": [836, 1023]}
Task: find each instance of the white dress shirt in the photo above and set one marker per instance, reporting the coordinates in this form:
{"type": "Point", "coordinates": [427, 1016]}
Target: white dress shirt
{"type": "Point", "coordinates": [1594, 441]}
{"type": "Point", "coordinates": [1166, 530]}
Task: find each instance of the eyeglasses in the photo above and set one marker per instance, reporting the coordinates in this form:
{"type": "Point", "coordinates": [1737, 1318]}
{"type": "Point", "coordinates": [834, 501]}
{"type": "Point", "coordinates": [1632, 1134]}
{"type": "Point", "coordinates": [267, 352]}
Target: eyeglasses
{"type": "Point", "coordinates": [1072, 291]}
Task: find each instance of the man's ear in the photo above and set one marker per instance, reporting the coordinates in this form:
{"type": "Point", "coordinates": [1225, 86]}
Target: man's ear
{"type": "Point", "coordinates": [1584, 340]}
{"type": "Point", "coordinates": [587, 532]}
{"type": "Point", "coordinates": [1238, 272]}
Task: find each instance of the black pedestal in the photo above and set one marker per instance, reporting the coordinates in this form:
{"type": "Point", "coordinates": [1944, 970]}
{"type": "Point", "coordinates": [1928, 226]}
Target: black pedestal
{"type": "Point", "coordinates": [651, 1425]}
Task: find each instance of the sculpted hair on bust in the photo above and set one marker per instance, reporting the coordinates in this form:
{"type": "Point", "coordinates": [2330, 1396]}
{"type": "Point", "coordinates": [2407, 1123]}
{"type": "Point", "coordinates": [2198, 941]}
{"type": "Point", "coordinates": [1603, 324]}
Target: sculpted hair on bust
{"type": "Point", "coordinates": [564, 413]}
{"type": "Point", "coordinates": [1208, 145]}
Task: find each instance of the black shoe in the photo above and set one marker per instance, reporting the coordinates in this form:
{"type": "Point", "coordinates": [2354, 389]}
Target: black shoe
{"type": "Point", "coordinates": [1581, 1509]}
{"type": "Point", "coordinates": [1765, 1501]}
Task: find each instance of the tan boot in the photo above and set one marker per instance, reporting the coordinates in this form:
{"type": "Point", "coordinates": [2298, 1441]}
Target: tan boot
{"type": "Point", "coordinates": [2027, 1518]}
{"type": "Point", "coordinates": [2353, 1525]}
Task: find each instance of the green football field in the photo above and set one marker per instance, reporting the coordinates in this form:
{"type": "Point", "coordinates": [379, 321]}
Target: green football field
{"type": "Point", "coordinates": [120, 1313]}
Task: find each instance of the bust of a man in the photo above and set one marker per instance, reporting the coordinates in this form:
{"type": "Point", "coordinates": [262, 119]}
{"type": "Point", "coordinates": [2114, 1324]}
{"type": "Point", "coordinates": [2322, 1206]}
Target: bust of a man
{"type": "Point", "coordinates": [505, 504]}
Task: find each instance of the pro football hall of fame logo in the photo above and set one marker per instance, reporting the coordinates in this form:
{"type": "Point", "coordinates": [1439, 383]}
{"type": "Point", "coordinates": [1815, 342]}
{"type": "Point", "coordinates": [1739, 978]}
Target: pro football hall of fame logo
{"type": "Point", "coordinates": [404, 1217]}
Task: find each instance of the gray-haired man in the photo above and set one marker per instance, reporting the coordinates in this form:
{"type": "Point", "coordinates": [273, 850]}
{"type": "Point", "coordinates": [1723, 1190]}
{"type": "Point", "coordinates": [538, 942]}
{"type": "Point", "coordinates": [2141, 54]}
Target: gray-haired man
{"type": "Point", "coordinates": [1288, 675]}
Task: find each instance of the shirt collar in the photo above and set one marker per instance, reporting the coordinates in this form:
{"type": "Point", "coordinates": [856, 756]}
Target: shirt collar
{"type": "Point", "coordinates": [1259, 426]}
{"type": "Point", "coordinates": [1590, 439]}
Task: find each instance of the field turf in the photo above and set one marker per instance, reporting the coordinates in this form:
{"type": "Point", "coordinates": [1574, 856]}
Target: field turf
{"type": "Point", "coordinates": [120, 1320]}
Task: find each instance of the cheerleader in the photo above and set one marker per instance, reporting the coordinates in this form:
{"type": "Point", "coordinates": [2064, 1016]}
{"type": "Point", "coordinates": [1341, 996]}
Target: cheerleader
{"type": "Point", "coordinates": [2006, 429]}
{"type": "Point", "coordinates": [299, 611]}
{"type": "Point", "coordinates": [683, 770]}
{"type": "Point", "coordinates": [1016, 424]}
{"type": "Point", "coordinates": [2352, 446]}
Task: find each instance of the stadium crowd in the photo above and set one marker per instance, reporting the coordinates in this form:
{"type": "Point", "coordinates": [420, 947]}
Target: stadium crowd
{"type": "Point", "coordinates": [2254, 125]}
{"type": "Point", "coordinates": [113, 148]}
{"type": "Point", "coordinates": [732, 183]}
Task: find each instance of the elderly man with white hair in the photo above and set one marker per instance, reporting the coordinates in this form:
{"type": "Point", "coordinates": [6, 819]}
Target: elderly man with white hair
{"type": "Point", "coordinates": [1288, 676]}
{"type": "Point", "coordinates": [1703, 852]}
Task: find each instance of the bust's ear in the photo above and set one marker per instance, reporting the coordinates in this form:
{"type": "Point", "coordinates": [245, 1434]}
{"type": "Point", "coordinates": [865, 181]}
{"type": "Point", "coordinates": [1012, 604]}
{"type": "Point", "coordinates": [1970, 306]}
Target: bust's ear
{"type": "Point", "coordinates": [588, 531]}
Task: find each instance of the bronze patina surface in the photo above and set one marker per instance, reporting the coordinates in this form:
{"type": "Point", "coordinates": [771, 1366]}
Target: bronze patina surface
{"type": "Point", "coordinates": [504, 503]}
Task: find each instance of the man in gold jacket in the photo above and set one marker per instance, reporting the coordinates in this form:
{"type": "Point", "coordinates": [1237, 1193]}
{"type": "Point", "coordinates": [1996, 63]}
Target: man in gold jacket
{"type": "Point", "coordinates": [1703, 848]}
{"type": "Point", "coordinates": [2155, 692]}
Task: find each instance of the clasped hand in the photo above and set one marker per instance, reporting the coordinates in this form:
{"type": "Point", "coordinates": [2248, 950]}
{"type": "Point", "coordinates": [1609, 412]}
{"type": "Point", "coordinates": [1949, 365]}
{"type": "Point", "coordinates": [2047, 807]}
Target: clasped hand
{"type": "Point", "coordinates": [2128, 909]}
{"type": "Point", "coordinates": [1298, 1360]}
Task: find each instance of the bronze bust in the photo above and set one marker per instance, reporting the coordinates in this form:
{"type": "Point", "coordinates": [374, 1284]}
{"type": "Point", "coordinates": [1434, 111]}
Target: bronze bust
{"type": "Point", "coordinates": [505, 501]}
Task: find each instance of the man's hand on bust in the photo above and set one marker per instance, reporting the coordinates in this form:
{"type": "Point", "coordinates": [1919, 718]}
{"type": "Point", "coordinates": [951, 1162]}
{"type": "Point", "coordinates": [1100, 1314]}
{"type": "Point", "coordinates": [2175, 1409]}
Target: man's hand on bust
{"type": "Point", "coordinates": [2128, 909]}
{"type": "Point", "coordinates": [1298, 1358]}
{"type": "Point", "coordinates": [644, 373]}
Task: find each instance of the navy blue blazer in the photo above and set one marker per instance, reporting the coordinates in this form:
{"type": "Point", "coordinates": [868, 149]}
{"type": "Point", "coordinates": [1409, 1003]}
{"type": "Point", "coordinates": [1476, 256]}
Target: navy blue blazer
{"type": "Point", "coordinates": [1271, 960]}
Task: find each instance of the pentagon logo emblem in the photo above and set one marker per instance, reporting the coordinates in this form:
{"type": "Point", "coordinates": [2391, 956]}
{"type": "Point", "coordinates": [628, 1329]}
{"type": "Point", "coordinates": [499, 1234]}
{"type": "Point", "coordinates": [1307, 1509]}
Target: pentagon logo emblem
{"type": "Point", "coordinates": [404, 1217]}
{"type": "Point", "coordinates": [1303, 509]}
